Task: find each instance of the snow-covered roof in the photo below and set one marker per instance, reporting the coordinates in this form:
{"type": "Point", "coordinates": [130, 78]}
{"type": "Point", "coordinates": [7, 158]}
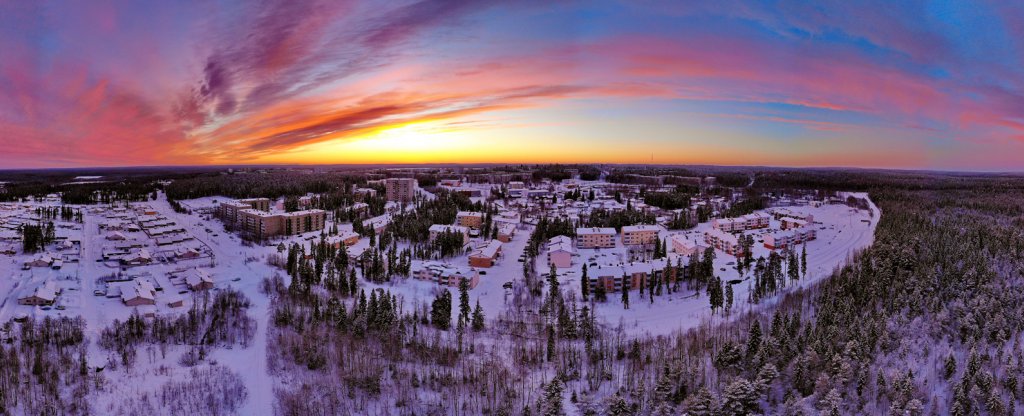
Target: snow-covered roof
{"type": "Point", "coordinates": [640, 228]}
{"type": "Point", "coordinates": [595, 231]}
{"type": "Point", "coordinates": [489, 251]}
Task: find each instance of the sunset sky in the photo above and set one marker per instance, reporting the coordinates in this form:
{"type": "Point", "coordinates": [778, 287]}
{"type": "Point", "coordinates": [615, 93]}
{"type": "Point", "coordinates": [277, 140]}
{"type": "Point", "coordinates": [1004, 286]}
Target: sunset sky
{"type": "Point", "coordinates": [893, 84]}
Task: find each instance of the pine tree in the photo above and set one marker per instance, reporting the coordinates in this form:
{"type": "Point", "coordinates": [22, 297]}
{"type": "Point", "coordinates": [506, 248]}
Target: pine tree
{"type": "Point", "coordinates": [600, 292]}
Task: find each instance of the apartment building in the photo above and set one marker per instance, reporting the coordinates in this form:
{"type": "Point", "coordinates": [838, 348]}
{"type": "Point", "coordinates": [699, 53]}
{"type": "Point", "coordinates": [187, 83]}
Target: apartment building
{"type": "Point", "coordinates": [638, 235]}
{"type": "Point", "coordinates": [786, 239]}
{"type": "Point", "coordinates": [594, 237]}
{"type": "Point", "coordinates": [757, 220]}
{"type": "Point", "coordinates": [438, 229]}
{"type": "Point", "coordinates": [780, 213]}
{"type": "Point", "coordinates": [790, 223]}
{"type": "Point", "coordinates": [560, 251]}
{"type": "Point", "coordinates": [400, 189]}
{"type": "Point", "coordinates": [729, 243]}
{"type": "Point", "coordinates": [506, 231]}
{"type": "Point", "coordinates": [444, 274]}
{"type": "Point", "coordinates": [486, 256]}
{"type": "Point", "coordinates": [228, 210]}
{"type": "Point", "coordinates": [345, 238]}
{"type": "Point", "coordinates": [469, 219]}
{"type": "Point", "coordinates": [684, 246]}
{"type": "Point", "coordinates": [743, 223]}
{"type": "Point", "coordinates": [633, 275]}
{"type": "Point", "coordinates": [262, 224]}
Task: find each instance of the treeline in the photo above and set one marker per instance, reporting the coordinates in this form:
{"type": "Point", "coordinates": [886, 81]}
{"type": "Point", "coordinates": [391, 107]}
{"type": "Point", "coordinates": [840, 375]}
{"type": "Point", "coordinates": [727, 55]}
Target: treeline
{"type": "Point", "coordinates": [131, 189]}
{"type": "Point", "coordinates": [273, 184]}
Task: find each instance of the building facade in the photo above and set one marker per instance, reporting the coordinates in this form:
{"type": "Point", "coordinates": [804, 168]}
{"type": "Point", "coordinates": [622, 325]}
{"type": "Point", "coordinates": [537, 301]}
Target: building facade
{"type": "Point", "coordinates": [638, 235]}
{"type": "Point", "coordinates": [594, 237]}
{"type": "Point", "coordinates": [400, 189]}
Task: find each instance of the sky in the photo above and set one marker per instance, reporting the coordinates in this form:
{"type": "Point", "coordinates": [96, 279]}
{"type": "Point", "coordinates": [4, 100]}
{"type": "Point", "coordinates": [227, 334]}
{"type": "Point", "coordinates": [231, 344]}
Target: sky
{"type": "Point", "coordinates": [873, 83]}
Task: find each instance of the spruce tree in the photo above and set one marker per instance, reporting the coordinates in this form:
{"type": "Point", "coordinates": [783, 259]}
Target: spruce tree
{"type": "Point", "coordinates": [803, 260]}
{"type": "Point", "coordinates": [478, 318]}
{"type": "Point", "coordinates": [585, 284]}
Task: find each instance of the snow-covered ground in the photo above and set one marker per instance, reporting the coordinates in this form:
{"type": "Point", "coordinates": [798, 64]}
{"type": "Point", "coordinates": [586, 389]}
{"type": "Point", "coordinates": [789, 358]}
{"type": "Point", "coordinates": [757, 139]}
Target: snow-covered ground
{"type": "Point", "coordinates": [841, 231]}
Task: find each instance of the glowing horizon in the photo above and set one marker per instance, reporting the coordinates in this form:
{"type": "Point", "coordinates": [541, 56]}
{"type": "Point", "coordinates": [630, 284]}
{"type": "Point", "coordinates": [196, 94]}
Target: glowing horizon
{"type": "Point", "coordinates": [915, 85]}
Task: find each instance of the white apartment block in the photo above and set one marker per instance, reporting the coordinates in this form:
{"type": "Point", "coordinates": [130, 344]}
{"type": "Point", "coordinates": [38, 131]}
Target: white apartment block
{"type": "Point", "coordinates": [594, 237]}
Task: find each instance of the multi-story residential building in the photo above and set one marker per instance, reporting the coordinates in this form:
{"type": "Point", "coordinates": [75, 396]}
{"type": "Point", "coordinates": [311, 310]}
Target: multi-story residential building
{"type": "Point", "coordinates": [780, 213]}
{"type": "Point", "coordinates": [506, 231]}
{"type": "Point", "coordinates": [345, 238]}
{"type": "Point", "coordinates": [746, 222]}
{"type": "Point", "coordinates": [445, 274]}
{"type": "Point", "coordinates": [728, 224]}
{"type": "Point", "coordinates": [378, 223]}
{"type": "Point", "coordinates": [790, 223]}
{"type": "Point", "coordinates": [260, 224]}
{"type": "Point", "coordinates": [560, 251]}
{"type": "Point", "coordinates": [757, 220]}
{"type": "Point", "coordinates": [638, 235]}
{"type": "Point", "coordinates": [633, 275]}
{"type": "Point", "coordinates": [437, 229]}
{"type": "Point", "coordinates": [262, 204]}
{"type": "Point", "coordinates": [729, 243]}
{"type": "Point", "coordinates": [400, 189]}
{"type": "Point", "coordinates": [789, 238]}
{"type": "Point", "coordinates": [594, 237]}
{"type": "Point", "coordinates": [486, 256]}
{"type": "Point", "coordinates": [228, 210]}
{"type": "Point", "coordinates": [469, 219]}
{"type": "Point", "coordinates": [686, 247]}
